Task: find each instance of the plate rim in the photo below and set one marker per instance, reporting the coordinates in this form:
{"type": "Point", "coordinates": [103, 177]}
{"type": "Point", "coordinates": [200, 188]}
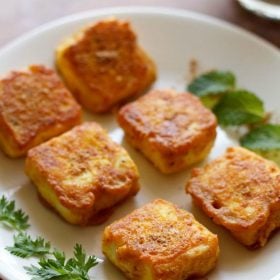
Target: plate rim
{"type": "Point", "coordinates": [165, 11]}
{"type": "Point", "coordinates": [262, 9]}
{"type": "Point", "coordinates": [134, 9]}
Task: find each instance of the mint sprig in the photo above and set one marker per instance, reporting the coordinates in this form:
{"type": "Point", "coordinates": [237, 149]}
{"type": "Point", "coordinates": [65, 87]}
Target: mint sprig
{"type": "Point", "coordinates": [212, 83]}
{"type": "Point", "coordinates": [264, 140]}
{"type": "Point", "coordinates": [239, 107]}
{"type": "Point", "coordinates": [235, 107]}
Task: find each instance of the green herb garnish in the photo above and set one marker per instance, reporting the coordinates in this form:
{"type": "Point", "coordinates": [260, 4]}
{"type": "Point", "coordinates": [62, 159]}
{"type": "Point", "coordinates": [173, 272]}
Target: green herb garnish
{"type": "Point", "coordinates": [11, 217]}
{"type": "Point", "coordinates": [239, 107]}
{"type": "Point", "coordinates": [25, 247]}
{"type": "Point", "coordinates": [57, 267]}
{"type": "Point", "coordinates": [211, 86]}
{"type": "Point", "coordinates": [264, 140]}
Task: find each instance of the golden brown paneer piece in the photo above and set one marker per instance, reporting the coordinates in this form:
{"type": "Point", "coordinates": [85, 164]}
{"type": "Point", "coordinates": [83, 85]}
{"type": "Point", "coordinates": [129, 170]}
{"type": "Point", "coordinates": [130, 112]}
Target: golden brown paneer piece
{"type": "Point", "coordinates": [159, 241]}
{"type": "Point", "coordinates": [34, 107]}
{"type": "Point", "coordinates": [82, 174]}
{"type": "Point", "coordinates": [173, 130]}
{"type": "Point", "coordinates": [240, 191]}
{"type": "Point", "coordinates": [104, 65]}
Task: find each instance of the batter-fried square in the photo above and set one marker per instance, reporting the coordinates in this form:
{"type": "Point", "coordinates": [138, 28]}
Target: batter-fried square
{"type": "Point", "coordinates": [82, 174]}
{"type": "Point", "coordinates": [34, 107]}
{"type": "Point", "coordinates": [160, 242]}
{"type": "Point", "coordinates": [240, 191]}
{"type": "Point", "coordinates": [173, 130]}
{"type": "Point", "coordinates": [103, 65]}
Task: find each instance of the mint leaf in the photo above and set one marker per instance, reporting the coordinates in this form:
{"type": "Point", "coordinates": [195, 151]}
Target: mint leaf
{"type": "Point", "coordinates": [211, 101]}
{"type": "Point", "coordinates": [212, 83]}
{"type": "Point", "coordinates": [264, 140]}
{"type": "Point", "coordinates": [239, 107]}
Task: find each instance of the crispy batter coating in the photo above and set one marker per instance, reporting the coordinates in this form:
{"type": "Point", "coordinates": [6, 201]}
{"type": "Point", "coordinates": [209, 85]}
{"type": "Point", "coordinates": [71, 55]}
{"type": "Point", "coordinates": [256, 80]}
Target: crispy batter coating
{"type": "Point", "coordinates": [241, 191]}
{"type": "Point", "coordinates": [34, 107]}
{"type": "Point", "coordinates": [159, 241]}
{"type": "Point", "coordinates": [104, 65]}
{"type": "Point", "coordinates": [173, 130]}
{"type": "Point", "coordinates": [82, 174]}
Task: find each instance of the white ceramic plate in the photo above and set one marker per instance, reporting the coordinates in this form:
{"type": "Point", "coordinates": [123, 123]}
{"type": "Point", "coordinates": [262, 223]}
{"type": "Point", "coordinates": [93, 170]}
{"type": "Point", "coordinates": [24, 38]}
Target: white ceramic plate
{"type": "Point", "coordinates": [263, 8]}
{"type": "Point", "coordinates": [172, 38]}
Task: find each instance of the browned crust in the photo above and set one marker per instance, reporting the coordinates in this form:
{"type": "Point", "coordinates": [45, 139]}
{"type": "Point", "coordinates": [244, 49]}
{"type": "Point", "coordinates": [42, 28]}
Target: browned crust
{"type": "Point", "coordinates": [34, 106]}
{"type": "Point", "coordinates": [161, 240]}
{"type": "Point", "coordinates": [241, 191]}
{"type": "Point", "coordinates": [108, 64]}
{"type": "Point", "coordinates": [172, 122]}
{"type": "Point", "coordinates": [86, 150]}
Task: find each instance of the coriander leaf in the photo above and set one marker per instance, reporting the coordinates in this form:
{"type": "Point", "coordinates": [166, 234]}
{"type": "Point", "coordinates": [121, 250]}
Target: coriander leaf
{"type": "Point", "coordinates": [239, 107]}
{"type": "Point", "coordinates": [264, 140]}
{"type": "Point", "coordinates": [212, 83]}
{"type": "Point", "coordinates": [58, 267]}
{"type": "Point", "coordinates": [11, 217]}
{"type": "Point", "coordinates": [82, 260]}
{"type": "Point", "coordinates": [25, 247]}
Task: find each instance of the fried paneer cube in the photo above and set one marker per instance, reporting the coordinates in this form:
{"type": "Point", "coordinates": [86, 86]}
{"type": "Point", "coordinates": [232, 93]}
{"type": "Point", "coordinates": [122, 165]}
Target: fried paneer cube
{"type": "Point", "coordinates": [82, 174]}
{"type": "Point", "coordinates": [160, 242]}
{"type": "Point", "coordinates": [240, 191]}
{"type": "Point", "coordinates": [34, 107]}
{"type": "Point", "coordinates": [103, 65]}
{"type": "Point", "coordinates": [173, 130]}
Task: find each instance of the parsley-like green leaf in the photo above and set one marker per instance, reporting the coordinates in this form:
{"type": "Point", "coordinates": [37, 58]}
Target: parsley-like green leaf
{"type": "Point", "coordinates": [25, 247]}
{"type": "Point", "coordinates": [264, 140]}
{"type": "Point", "coordinates": [11, 217]}
{"type": "Point", "coordinates": [212, 83]}
{"type": "Point", "coordinates": [239, 107]}
{"type": "Point", "coordinates": [58, 267]}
